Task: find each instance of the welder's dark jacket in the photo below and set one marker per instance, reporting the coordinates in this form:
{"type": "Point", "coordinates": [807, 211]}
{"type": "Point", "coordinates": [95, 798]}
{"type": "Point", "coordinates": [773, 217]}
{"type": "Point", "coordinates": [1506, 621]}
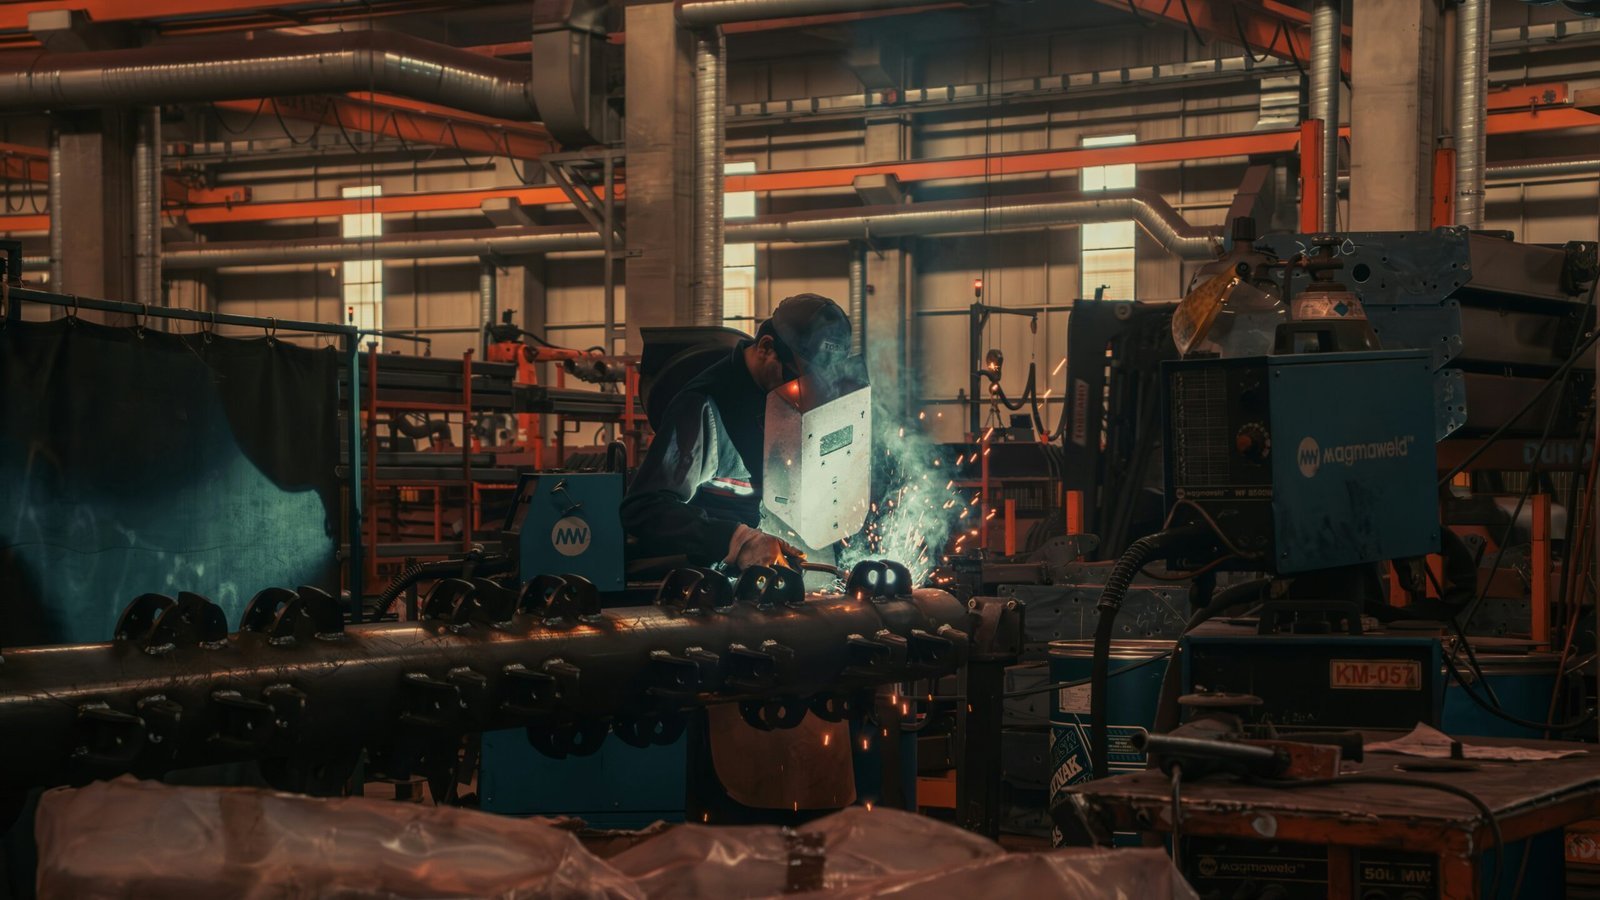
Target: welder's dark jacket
{"type": "Point", "coordinates": [701, 478]}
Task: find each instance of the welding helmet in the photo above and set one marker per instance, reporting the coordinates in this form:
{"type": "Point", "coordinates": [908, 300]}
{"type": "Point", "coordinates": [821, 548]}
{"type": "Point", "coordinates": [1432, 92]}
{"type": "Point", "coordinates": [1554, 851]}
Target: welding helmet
{"type": "Point", "coordinates": [810, 333]}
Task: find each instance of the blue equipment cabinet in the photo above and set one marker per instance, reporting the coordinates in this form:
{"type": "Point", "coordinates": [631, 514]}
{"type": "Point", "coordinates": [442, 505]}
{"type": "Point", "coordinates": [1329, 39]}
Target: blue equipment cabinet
{"type": "Point", "coordinates": [568, 524]}
{"type": "Point", "coordinates": [1309, 461]}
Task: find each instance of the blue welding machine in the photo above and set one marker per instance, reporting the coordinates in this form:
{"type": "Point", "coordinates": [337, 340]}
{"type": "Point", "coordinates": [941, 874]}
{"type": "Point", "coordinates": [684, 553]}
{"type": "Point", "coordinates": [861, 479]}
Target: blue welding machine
{"type": "Point", "coordinates": [1309, 461]}
{"type": "Point", "coordinates": [568, 524]}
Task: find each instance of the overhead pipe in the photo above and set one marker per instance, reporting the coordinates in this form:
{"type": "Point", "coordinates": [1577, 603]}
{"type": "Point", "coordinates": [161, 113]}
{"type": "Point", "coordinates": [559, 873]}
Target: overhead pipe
{"type": "Point", "coordinates": [710, 91]}
{"type": "Point", "coordinates": [1472, 85]}
{"type": "Point", "coordinates": [946, 217]}
{"type": "Point", "coordinates": [147, 207]}
{"type": "Point", "coordinates": [203, 71]}
{"type": "Point", "coordinates": [1326, 34]}
{"type": "Point", "coordinates": [1530, 170]}
{"type": "Point", "coordinates": [708, 13]}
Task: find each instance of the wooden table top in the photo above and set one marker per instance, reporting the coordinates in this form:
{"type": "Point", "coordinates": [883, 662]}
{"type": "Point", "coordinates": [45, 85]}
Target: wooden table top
{"type": "Point", "coordinates": [1508, 788]}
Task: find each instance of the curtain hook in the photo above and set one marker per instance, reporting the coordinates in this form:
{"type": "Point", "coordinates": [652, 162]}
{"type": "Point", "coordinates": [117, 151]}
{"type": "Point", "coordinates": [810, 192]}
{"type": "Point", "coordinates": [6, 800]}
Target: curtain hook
{"type": "Point", "coordinates": [272, 328]}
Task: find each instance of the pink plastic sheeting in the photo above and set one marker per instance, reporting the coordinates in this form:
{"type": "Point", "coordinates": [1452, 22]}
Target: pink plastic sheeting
{"type": "Point", "coordinates": [141, 839]}
{"type": "Point", "coordinates": [133, 839]}
{"type": "Point", "coordinates": [857, 845]}
{"type": "Point", "coordinates": [863, 853]}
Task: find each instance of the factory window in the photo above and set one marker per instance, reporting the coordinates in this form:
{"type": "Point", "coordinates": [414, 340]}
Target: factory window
{"type": "Point", "coordinates": [363, 278]}
{"type": "Point", "coordinates": [739, 260]}
{"type": "Point", "coordinates": [1108, 256]}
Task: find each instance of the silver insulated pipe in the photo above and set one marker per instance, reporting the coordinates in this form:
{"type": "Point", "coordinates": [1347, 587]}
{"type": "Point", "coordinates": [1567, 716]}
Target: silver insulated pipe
{"type": "Point", "coordinates": [200, 71]}
{"type": "Point", "coordinates": [858, 297]}
{"type": "Point", "coordinates": [710, 90]}
{"type": "Point", "coordinates": [1147, 207]}
{"type": "Point", "coordinates": [945, 217]}
{"type": "Point", "coordinates": [488, 294]}
{"type": "Point", "coordinates": [1472, 84]}
{"type": "Point", "coordinates": [58, 221]}
{"type": "Point", "coordinates": [147, 206]}
{"type": "Point", "coordinates": [1326, 43]}
{"type": "Point", "coordinates": [705, 13]}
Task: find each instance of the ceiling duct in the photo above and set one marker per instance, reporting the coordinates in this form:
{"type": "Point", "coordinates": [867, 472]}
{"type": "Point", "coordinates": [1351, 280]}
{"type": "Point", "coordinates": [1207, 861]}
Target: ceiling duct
{"type": "Point", "coordinates": [215, 69]}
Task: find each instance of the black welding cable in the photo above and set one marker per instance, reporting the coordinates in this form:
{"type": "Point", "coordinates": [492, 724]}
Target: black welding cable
{"type": "Point", "coordinates": [1117, 583]}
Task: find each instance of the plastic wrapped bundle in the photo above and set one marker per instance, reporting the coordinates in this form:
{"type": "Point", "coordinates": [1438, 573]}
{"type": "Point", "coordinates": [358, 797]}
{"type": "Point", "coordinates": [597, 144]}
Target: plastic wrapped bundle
{"type": "Point", "coordinates": [140, 839]}
{"type": "Point", "coordinates": [861, 853]}
{"type": "Point", "coordinates": [145, 840]}
{"type": "Point", "coordinates": [852, 846]}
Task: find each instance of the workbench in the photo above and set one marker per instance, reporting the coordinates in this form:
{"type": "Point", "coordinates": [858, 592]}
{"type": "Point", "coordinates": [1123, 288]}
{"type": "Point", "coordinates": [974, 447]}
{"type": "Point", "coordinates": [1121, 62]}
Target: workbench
{"type": "Point", "coordinates": [1366, 831]}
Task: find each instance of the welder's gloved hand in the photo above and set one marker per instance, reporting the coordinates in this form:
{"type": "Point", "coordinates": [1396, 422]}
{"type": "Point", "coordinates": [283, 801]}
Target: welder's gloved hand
{"type": "Point", "coordinates": [753, 547]}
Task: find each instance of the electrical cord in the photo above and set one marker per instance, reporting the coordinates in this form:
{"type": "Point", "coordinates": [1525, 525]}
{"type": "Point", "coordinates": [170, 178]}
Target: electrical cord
{"type": "Point", "coordinates": [1484, 812]}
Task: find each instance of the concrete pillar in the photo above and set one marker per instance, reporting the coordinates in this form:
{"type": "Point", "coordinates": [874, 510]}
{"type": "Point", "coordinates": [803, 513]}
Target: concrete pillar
{"type": "Point", "coordinates": [660, 154]}
{"type": "Point", "coordinates": [1393, 115]}
{"type": "Point", "coordinates": [97, 205]}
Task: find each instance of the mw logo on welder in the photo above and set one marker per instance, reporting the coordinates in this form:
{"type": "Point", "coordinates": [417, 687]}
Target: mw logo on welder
{"type": "Point", "coordinates": [1311, 457]}
{"type": "Point", "coordinates": [570, 536]}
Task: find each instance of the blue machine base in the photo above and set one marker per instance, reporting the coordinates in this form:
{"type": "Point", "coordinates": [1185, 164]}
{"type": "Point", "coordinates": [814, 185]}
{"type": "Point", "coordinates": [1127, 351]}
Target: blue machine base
{"type": "Point", "coordinates": [617, 787]}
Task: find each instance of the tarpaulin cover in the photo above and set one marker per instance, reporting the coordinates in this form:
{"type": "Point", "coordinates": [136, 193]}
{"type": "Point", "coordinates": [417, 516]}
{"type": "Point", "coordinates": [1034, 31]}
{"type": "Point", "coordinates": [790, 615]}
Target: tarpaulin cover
{"type": "Point", "coordinates": [132, 839]}
{"type": "Point", "coordinates": [134, 461]}
{"type": "Point", "coordinates": [143, 840]}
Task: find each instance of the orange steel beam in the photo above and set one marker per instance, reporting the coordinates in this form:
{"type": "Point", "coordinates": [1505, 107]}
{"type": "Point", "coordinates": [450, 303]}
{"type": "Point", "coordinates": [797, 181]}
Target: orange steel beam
{"type": "Point", "coordinates": [1443, 211]}
{"type": "Point", "coordinates": [1527, 120]}
{"type": "Point", "coordinates": [409, 121]}
{"type": "Point", "coordinates": [19, 162]}
{"type": "Point", "coordinates": [22, 163]}
{"type": "Point", "coordinates": [1528, 96]}
{"type": "Point", "coordinates": [21, 224]}
{"type": "Point", "coordinates": [1033, 162]}
{"type": "Point", "coordinates": [1310, 176]}
{"type": "Point", "coordinates": [389, 203]}
{"type": "Point", "coordinates": [1271, 27]}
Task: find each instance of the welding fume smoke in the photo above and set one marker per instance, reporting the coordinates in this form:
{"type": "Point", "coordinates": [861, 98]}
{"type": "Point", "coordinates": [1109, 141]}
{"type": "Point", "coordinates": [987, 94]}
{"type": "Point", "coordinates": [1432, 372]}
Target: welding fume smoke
{"type": "Point", "coordinates": [915, 508]}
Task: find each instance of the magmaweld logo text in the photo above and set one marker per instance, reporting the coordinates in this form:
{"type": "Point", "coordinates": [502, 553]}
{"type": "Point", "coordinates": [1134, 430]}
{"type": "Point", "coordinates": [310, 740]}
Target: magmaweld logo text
{"type": "Point", "coordinates": [1311, 456]}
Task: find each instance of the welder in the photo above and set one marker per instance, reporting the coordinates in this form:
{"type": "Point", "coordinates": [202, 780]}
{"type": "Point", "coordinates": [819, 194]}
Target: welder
{"type": "Point", "coordinates": [697, 495]}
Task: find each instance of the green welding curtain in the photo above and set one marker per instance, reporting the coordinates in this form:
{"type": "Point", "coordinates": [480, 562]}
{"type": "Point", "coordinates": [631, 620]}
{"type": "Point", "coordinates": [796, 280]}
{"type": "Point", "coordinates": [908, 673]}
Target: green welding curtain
{"type": "Point", "coordinates": [134, 461]}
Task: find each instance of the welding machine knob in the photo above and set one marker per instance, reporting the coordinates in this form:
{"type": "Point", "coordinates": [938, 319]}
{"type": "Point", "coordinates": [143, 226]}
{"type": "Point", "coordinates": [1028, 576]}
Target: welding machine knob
{"type": "Point", "coordinates": [1253, 442]}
